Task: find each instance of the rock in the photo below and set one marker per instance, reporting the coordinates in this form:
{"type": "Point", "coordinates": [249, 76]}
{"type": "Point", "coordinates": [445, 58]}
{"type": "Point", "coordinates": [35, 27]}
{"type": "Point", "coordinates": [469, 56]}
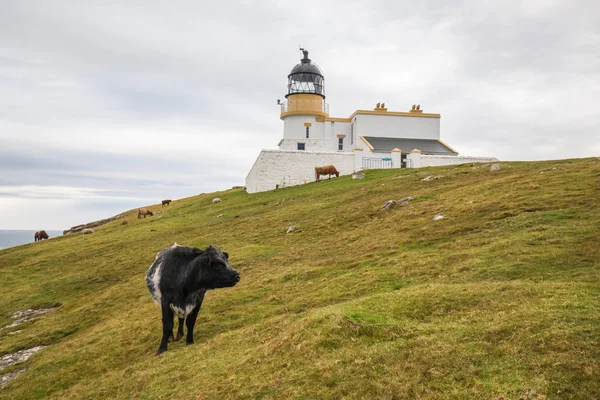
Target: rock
{"type": "Point", "coordinates": [292, 228]}
{"type": "Point", "coordinates": [438, 217]}
{"type": "Point", "coordinates": [27, 315]}
{"type": "Point", "coordinates": [470, 202]}
{"type": "Point", "coordinates": [79, 228]}
{"type": "Point", "coordinates": [88, 231]}
{"type": "Point", "coordinates": [15, 332]}
{"type": "Point", "coordinates": [6, 378]}
{"type": "Point", "coordinates": [495, 167]}
{"type": "Point", "coordinates": [219, 216]}
{"type": "Point", "coordinates": [22, 355]}
{"type": "Point", "coordinates": [216, 200]}
{"type": "Point", "coordinates": [387, 205]}
{"type": "Point", "coordinates": [403, 201]}
{"type": "Point", "coordinates": [430, 178]}
{"type": "Point", "coordinates": [358, 175]}
{"type": "Point", "coordinates": [277, 203]}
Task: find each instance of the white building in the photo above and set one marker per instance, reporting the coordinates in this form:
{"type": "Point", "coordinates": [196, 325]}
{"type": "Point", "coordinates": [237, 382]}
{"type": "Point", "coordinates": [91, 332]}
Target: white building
{"type": "Point", "coordinates": [375, 138]}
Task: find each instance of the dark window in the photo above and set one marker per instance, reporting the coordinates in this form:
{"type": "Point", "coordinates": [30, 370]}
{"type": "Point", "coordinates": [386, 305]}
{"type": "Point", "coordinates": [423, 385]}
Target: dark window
{"type": "Point", "coordinates": [307, 131]}
{"type": "Point", "coordinates": [341, 143]}
{"type": "Point", "coordinates": [300, 146]}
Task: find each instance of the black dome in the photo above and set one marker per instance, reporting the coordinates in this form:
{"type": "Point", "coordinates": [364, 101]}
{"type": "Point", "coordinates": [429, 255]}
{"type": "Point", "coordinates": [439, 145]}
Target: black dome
{"type": "Point", "coordinates": [306, 77]}
{"type": "Point", "coordinates": [307, 68]}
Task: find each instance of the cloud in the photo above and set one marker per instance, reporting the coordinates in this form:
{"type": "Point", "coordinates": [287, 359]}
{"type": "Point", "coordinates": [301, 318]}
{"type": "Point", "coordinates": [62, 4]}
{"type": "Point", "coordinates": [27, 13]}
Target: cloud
{"type": "Point", "coordinates": [145, 100]}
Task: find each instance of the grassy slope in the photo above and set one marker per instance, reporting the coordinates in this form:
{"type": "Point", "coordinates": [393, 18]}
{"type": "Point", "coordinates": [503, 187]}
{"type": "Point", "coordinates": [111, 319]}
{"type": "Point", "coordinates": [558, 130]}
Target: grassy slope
{"type": "Point", "coordinates": [501, 298]}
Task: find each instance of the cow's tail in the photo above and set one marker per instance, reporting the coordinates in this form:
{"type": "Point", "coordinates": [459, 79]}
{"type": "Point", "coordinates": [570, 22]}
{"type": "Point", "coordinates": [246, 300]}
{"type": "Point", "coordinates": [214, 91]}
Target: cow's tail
{"type": "Point", "coordinates": [316, 173]}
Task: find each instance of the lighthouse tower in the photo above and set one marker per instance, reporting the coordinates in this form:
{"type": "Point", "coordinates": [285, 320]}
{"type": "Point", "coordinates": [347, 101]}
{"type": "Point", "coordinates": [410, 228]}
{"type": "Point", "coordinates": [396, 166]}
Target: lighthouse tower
{"type": "Point", "coordinates": [304, 111]}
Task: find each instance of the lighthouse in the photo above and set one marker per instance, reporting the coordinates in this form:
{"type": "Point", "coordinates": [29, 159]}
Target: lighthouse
{"type": "Point", "coordinates": [367, 139]}
{"type": "Point", "coordinates": [305, 110]}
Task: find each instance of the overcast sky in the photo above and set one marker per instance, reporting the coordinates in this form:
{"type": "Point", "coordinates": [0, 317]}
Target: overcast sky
{"type": "Point", "coordinates": [107, 106]}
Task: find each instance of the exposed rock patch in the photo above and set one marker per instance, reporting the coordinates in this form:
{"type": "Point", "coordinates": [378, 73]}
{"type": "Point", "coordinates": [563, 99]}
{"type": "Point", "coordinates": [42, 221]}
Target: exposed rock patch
{"type": "Point", "coordinates": [438, 217]}
{"type": "Point", "coordinates": [79, 228]}
{"type": "Point", "coordinates": [27, 315]}
{"type": "Point", "coordinates": [358, 175]}
{"type": "Point", "coordinates": [291, 229]}
{"type": "Point", "coordinates": [402, 202]}
{"type": "Point", "coordinates": [216, 200]}
{"type": "Point", "coordinates": [495, 167]}
{"type": "Point", "coordinates": [7, 378]}
{"type": "Point", "coordinates": [19, 356]}
{"type": "Point", "coordinates": [430, 178]}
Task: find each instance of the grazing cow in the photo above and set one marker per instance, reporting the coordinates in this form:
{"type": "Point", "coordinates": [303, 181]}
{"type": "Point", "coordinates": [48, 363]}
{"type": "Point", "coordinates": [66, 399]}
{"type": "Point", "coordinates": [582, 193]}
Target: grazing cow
{"type": "Point", "coordinates": [39, 235]}
{"type": "Point", "coordinates": [166, 202]}
{"type": "Point", "coordinates": [326, 170]}
{"type": "Point", "coordinates": [144, 212]}
{"type": "Point", "coordinates": [178, 280]}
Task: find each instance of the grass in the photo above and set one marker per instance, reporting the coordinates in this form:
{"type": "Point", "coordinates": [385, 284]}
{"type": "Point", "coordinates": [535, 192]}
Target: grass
{"type": "Point", "coordinates": [499, 299]}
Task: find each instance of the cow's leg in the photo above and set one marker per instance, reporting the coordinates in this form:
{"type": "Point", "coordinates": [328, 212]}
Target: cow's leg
{"type": "Point", "coordinates": [180, 329]}
{"type": "Point", "coordinates": [190, 321]}
{"type": "Point", "coordinates": [167, 323]}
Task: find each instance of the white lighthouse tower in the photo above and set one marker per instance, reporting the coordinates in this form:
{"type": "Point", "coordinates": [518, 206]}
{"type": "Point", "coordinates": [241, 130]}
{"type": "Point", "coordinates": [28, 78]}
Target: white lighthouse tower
{"type": "Point", "coordinates": [305, 109]}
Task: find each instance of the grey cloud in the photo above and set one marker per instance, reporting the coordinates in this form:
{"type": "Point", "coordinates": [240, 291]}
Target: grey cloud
{"type": "Point", "coordinates": [148, 98]}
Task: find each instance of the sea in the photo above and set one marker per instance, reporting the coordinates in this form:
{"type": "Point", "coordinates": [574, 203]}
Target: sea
{"type": "Point", "coordinates": [10, 238]}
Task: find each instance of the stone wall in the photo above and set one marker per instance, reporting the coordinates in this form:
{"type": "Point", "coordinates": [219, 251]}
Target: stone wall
{"type": "Point", "coordinates": [283, 168]}
{"type": "Point", "coordinates": [433, 161]}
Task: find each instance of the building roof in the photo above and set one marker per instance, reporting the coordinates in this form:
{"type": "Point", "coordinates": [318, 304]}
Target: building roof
{"type": "Point", "coordinates": [427, 146]}
{"type": "Point", "coordinates": [306, 66]}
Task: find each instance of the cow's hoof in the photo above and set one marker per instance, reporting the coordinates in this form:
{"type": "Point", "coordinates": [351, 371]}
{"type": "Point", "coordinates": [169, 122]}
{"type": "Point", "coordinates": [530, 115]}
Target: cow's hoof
{"type": "Point", "coordinates": [160, 350]}
{"type": "Point", "coordinates": [188, 342]}
{"type": "Point", "coordinates": [179, 337]}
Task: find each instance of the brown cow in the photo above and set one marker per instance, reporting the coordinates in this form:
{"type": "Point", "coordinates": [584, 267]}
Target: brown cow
{"type": "Point", "coordinates": [166, 202]}
{"type": "Point", "coordinates": [326, 170]}
{"type": "Point", "coordinates": [39, 235]}
{"type": "Point", "coordinates": [144, 212]}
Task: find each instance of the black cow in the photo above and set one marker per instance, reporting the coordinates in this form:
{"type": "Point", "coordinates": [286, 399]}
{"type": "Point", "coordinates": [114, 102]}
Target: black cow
{"type": "Point", "coordinates": [178, 280]}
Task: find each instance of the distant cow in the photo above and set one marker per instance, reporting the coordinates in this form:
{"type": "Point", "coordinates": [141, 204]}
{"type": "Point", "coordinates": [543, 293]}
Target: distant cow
{"type": "Point", "coordinates": [326, 170]}
{"type": "Point", "coordinates": [144, 212]}
{"type": "Point", "coordinates": [39, 235]}
{"type": "Point", "coordinates": [166, 202]}
{"type": "Point", "coordinates": [178, 280]}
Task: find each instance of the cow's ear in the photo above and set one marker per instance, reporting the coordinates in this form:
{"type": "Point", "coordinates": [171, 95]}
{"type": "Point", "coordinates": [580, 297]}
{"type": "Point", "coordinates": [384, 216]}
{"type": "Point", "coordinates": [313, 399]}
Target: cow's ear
{"type": "Point", "coordinates": [226, 255]}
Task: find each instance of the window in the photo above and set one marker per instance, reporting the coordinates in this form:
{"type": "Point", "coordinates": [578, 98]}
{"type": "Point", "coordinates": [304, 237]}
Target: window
{"type": "Point", "coordinates": [307, 131]}
{"type": "Point", "coordinates": [341, 143]}
{"type": "Point", "coordinates": [300, 146]}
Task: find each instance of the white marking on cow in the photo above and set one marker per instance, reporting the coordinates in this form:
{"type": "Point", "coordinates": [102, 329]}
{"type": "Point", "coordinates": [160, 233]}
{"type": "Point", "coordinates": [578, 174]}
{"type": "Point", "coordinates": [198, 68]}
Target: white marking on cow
{"type": "Point", "coordinates": [156, 294]}
{"type": "Point", "coordinates": [181, 313]}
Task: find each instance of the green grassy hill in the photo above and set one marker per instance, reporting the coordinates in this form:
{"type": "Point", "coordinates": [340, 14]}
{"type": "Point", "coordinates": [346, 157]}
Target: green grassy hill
{"type": "Point", "coordinates": [501, 298]}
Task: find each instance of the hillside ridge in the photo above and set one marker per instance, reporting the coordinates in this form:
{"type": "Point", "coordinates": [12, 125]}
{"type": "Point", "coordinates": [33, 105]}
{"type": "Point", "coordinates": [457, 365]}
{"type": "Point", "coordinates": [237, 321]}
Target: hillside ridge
{"type": "Point", "coordinates": [499, 299]}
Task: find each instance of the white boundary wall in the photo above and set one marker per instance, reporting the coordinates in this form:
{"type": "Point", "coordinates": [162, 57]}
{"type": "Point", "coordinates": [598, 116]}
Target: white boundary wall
{"type": "Point", "coordinates": [433, 161]}
{"type": "Point", "coordinates": [293, 167]}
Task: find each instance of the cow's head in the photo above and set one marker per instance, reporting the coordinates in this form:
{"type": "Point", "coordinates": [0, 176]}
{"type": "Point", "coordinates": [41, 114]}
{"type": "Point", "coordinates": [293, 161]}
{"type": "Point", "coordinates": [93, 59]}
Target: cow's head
{"type": "Point", "coordinates": [216, 271]}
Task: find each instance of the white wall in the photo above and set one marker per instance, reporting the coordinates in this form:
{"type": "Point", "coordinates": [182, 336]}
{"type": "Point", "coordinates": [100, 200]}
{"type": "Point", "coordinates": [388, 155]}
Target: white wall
{"type": "Point", "coordinates": [290, 168]}
{"type": "Point", "coordinates": [309, 144]}
{"type": "Point", "coordinates": [397, 126]}
{"type": "Point", "coordinates": [293, 127]}
{"type": "Point", "coordinates": [332, 129]}
{"type": "Point", "coordinates": [433, 161]}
